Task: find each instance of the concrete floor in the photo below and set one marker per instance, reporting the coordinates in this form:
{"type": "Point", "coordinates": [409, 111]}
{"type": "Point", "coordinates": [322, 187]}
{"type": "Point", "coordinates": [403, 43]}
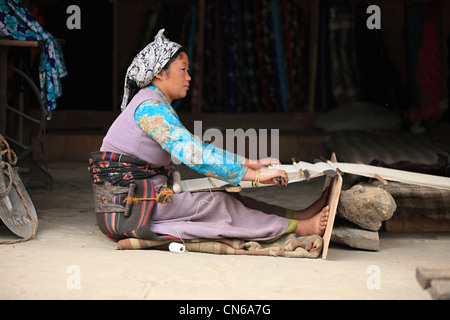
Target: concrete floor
{"type": "Point", "coordinates": [71, 259]}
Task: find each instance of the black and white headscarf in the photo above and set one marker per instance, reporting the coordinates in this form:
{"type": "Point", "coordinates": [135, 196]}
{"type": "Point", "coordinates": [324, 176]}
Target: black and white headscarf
{"type": "Point", "coordinates": [147, 64]}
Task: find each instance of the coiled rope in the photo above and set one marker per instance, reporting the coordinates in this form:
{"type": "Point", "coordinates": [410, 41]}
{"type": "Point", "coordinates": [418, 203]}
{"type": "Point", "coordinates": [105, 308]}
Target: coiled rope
{"type": "Point", "coordinates": [6, 168]}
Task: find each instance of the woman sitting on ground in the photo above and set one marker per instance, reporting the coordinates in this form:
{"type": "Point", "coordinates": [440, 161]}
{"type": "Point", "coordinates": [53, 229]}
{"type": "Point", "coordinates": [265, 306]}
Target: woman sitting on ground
{"type": "Point", "coordinates": [149, 129]}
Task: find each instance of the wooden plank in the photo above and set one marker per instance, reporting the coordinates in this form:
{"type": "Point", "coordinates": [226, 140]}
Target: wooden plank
{"type": "Point", "coordinates": [440, 289]}
{"type": "Point", "coordinates": [426, 275]}
{"type": "Point", "coordinates": [21, 43]}
{"type": "Point", "coordinates": [333, 200]}
{"type": "Point", "coordinates": [73, 120]}
{"type": "Point", "coordinates": [403, 221]}
{"type": "Point", "coordinates": [389, 174]}
{"type": "Point", "coordinates": [296, 121]}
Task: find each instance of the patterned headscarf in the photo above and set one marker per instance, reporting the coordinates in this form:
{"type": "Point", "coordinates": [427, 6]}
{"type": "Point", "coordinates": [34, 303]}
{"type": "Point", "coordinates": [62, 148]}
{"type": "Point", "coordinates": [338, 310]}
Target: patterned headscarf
{"type": "Point", "coordinates": [147, 64]}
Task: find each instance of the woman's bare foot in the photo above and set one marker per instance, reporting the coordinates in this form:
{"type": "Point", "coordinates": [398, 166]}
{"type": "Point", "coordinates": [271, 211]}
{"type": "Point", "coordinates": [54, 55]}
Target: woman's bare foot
{"type": "Point", "coordinates": [313, 209]}
{"type": "Point", "coordinates": [314, 225]}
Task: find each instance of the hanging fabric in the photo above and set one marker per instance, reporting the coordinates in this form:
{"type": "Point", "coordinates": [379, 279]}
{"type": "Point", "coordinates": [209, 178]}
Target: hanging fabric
{"type": "Point", "coordinates": [16, 22]}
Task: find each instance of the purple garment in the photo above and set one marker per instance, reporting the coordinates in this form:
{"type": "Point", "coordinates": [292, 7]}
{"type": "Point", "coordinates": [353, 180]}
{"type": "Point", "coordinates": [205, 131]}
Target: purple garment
{"type": "Point", "coordinates": [125, 137]}
{"type": "Point", "coordinates": [219, 215]}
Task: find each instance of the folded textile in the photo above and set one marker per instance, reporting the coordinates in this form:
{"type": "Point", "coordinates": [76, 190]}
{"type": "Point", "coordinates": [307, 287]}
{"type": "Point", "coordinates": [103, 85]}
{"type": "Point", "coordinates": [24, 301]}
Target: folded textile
{"type": "Point", "coordinates": [423, 201]}
{"type": "Point", "coordinates": [288, 245]}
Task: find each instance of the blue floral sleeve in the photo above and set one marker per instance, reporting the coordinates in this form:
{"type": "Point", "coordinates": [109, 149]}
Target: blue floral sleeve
{"type": "Point", "coordinates": [161, 123]}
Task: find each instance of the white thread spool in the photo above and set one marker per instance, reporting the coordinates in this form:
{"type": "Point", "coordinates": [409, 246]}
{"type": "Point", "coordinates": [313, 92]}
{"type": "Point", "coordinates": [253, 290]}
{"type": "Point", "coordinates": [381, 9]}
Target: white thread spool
{"type": "Point", "coordinates": [176, 187]}
{"type": "Point", "coordinates": [177, 247]}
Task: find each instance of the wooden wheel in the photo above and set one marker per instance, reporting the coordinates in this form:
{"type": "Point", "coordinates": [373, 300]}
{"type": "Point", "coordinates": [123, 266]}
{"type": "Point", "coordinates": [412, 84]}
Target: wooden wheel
{"type": "Point", "coordinates": [23, 128]}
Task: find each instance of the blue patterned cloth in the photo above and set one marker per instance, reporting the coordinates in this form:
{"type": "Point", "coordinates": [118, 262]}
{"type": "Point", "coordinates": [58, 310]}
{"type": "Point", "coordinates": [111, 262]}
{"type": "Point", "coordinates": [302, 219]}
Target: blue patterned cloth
{"type": "Point", "coordinates": [160, 121]}
{"type": "Point", "coordinates": [16, 22]}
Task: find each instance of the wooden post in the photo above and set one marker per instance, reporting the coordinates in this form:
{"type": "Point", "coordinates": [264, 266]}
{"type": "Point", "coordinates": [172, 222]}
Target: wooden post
{"type": "Point", "coordinates": [115, 60]}
{"type": "Point", "coordinates": [197, 99]}
{"type": "Point", "coordinates": [313, 50]}
{"type": "Point", "coordinates": [3, 98]}
{"type": "Point", "coordinates": [335, 185]}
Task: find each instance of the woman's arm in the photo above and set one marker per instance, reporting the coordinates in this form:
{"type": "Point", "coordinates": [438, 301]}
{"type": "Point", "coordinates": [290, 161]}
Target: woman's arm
{"type": "Point", "coordinates": [161, 123]}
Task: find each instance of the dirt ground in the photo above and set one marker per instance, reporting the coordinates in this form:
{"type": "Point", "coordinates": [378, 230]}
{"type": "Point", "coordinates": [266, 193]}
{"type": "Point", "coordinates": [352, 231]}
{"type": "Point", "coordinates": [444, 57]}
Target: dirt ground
{"type": "Point", "coordinates": [71, 259]}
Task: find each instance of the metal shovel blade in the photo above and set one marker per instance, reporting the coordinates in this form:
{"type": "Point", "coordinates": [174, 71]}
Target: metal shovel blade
{"type": "Point", "coordinates": [12, 210]}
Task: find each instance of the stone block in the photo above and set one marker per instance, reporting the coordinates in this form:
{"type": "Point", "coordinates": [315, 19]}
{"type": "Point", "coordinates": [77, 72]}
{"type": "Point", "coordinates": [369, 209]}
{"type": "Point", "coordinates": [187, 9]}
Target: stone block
{"type": "Point", "coordinates": [366, 205]}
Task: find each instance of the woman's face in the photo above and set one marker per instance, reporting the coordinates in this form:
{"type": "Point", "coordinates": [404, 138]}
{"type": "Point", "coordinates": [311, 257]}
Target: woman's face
{"type": "Point", "coordinates": [174, 82]}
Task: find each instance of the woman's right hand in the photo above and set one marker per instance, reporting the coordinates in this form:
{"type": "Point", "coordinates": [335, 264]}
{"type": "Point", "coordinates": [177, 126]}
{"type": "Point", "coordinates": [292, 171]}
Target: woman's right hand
{"type": "Point", "coordinates": [273, 176]}
{"type": "Point", "coordinates": [267, 176]}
